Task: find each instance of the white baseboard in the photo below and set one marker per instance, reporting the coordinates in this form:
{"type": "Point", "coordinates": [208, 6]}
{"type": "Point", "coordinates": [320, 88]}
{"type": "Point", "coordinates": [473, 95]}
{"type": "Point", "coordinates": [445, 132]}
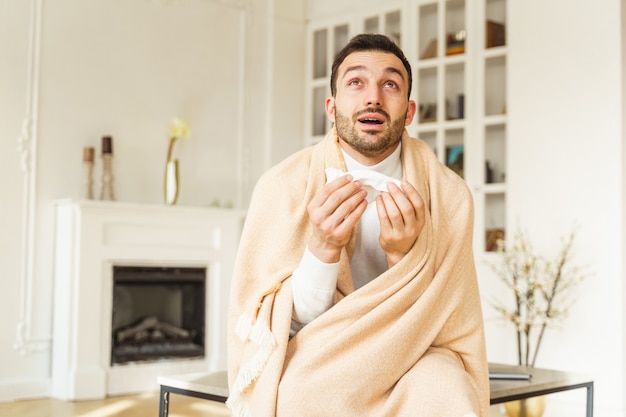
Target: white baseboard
{"type": "Point", "coordinates": [24, 389]}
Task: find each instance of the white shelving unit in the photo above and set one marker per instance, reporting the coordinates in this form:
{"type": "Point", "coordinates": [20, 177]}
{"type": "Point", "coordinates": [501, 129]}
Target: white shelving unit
{"type": "Point", "coordinates": [324, 40]}
{"type": "Point", "coordinates": [387, 21]}
{"type": "Point", "coordinates": [459, 65]}
{"type": "Point", "coordinates": [492, 122]}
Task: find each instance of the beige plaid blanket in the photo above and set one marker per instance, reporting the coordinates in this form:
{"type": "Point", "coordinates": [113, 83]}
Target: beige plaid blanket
{"type": "Point", "coordinates": [410, 343]}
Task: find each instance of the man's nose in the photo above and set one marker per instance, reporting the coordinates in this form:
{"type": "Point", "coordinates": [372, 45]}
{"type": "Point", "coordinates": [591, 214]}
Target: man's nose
{"type": "Point", "coordinates": [373, 96]}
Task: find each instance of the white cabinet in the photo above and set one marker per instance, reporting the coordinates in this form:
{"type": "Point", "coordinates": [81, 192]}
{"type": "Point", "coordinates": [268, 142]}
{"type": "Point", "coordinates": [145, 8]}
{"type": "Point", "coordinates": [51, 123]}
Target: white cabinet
{"type": "Point", "coordinates": [324, 40]}
{"type": "Point", "coordinates": [457, 49]}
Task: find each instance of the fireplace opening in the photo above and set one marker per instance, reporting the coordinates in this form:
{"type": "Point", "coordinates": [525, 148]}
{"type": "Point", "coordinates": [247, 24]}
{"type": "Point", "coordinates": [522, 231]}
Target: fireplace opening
{"type": "Point", "coordinates": [158, 313]}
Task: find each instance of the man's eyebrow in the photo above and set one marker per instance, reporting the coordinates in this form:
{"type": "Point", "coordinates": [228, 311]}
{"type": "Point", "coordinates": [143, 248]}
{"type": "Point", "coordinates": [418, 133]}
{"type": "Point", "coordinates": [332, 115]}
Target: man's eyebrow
{"type": "Point", "coordinates": [392, 70]}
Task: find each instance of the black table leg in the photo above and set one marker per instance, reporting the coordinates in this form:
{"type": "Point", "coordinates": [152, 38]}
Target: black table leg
{"type": "Point", "coordinates": [164, 403]}
{"type": "Point", "coordinates": [590, 400]}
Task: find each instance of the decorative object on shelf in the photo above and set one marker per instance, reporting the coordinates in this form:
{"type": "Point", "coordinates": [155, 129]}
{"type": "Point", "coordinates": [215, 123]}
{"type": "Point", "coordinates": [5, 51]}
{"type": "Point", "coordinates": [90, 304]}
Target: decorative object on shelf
{"type": "Point", "coordinates": [494, 34]}
{"type": "Point", "coordinates": [106, 191]}
{"type": "Point", "coordinates": [541, 293]}
{"type": "Point", "coordinates": [430, 51]}
{"type": "Point", "coordinates": [88, 161]}
{"type": "Point", "coordinates": [460, 105]}
{"type": "Point", "coordinates": [492, 237]}
{"type": "Point", "coordinates": [455, 109]}
{"type": "Point", "coordinates": [488, 173]}
{"type": "Point", "coordinates": [455, 159]}
{"type": "Point", "coordinates": [427, 112]}
{"type": "Point", "coordinates": [455, 43]}
{"type": "Point", "coordinates": [178, 130]}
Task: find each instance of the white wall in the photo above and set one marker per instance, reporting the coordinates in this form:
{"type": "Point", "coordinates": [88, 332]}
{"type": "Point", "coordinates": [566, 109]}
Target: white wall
{"type": "Point", "coordinates": [566, 167]}
{"type": "Point", "coordinates": [125, 68]}
{"type": "Point", "coordinates": [272, 125]}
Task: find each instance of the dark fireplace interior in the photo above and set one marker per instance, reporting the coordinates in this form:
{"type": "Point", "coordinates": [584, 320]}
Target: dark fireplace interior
{"type": "Point", "coordinates": [158, 313]}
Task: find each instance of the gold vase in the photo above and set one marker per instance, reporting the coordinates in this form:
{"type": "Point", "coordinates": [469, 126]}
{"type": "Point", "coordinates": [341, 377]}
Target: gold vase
{"type": "Point", "coordinates": [528, 407]}
{"type": "Point", "coordinates": [170, 183]}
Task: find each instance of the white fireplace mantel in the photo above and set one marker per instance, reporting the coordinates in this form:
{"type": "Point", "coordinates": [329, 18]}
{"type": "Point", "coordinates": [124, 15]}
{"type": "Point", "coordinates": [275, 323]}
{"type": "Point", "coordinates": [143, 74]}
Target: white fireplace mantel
{"type": "Point", "coordinates": [90, 238]}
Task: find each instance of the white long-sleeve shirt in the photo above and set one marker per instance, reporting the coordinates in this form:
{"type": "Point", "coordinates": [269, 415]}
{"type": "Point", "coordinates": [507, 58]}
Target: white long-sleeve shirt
{"type": "Point", "coordinates": [314, 282]}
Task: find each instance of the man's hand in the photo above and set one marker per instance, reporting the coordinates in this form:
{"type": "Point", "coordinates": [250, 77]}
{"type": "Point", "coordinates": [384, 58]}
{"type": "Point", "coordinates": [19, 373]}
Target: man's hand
{"type": "Point", "coordinates": [401, 215]}
{"type": "Point", "coordinates": [334, 212]}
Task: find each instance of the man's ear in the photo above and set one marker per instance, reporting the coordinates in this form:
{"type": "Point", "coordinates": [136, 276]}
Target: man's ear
{"type": "Point", "coordinates": [410, 112]}
{"type": "Point", "coordinates": [330, 109]}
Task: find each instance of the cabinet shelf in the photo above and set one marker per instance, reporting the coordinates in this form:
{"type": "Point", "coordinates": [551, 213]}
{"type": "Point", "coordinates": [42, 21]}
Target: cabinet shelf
{"type": "Point", "coordinates": [495, 51]}
{"type": "Point", "coordinates": [437, 61]}
{"type": "Point", "coordinates": [495, 188]}
{"type": "Point", "coordinates": [495, 119]}
{"type": "Point", "coordinates": [427, 127]}
{"type": "Point", "coordinates": [454, 124]}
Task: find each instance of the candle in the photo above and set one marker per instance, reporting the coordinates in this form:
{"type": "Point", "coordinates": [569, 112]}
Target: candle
{"type": "Point", "coordinates": [107, 144]}
{"type": "Point", "coordinates": [88, 152]}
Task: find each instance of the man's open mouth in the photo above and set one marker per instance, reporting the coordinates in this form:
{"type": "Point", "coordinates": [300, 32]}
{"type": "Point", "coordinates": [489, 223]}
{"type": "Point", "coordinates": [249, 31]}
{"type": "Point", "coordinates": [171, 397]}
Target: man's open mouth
{"type": "Point", "coordinates": [371, 121]}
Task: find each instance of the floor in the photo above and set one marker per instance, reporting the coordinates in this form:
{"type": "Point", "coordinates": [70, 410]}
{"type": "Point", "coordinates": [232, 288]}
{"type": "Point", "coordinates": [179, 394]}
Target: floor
{"type": "Point", "coordinates": [142, 405]}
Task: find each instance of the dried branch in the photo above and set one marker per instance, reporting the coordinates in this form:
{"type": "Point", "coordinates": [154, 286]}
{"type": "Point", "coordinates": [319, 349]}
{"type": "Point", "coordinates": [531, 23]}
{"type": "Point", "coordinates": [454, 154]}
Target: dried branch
{"type": "Point", "coordinates": [538, 286]}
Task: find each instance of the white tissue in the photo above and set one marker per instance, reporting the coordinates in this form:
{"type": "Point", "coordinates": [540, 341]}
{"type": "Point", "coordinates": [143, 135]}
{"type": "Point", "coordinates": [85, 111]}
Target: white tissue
{"type": "Point", "coordinates": [374, 182]}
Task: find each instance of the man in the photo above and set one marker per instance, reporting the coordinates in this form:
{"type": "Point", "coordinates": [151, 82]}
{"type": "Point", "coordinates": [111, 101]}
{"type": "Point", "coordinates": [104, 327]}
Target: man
{"type": "Point", "coordinates": [355, 291]}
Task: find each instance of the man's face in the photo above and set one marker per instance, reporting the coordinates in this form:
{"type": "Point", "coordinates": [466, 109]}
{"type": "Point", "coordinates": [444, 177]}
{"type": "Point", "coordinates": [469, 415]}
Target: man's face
{"type": "Point", "coordinates": [371, 108]}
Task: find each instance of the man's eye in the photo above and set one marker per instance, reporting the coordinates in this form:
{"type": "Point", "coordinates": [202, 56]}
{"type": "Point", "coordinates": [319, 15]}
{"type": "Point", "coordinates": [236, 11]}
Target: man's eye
{"type": "Point", "coordinates": [391, 84]}
{"type": "Point", "coordinates": [354, 82]}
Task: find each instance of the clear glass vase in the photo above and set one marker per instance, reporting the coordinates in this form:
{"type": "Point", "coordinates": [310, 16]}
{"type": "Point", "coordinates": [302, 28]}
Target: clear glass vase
{"type": "Point", "coordinates": [170, 182]}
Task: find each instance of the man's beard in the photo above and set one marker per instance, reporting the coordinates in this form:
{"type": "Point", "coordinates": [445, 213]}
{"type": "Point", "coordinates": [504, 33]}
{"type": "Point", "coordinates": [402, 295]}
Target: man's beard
{"type": "Point", "coordinates": [369, 143]}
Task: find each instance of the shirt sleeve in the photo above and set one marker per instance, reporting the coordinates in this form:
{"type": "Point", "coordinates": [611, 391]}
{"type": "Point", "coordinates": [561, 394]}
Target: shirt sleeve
{"type": "Point", "coordinates": [313, 284]}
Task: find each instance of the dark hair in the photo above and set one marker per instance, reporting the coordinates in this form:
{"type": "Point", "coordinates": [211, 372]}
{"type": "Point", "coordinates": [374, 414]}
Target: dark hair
{"type": "Point", "coordinates": [368, 42]}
